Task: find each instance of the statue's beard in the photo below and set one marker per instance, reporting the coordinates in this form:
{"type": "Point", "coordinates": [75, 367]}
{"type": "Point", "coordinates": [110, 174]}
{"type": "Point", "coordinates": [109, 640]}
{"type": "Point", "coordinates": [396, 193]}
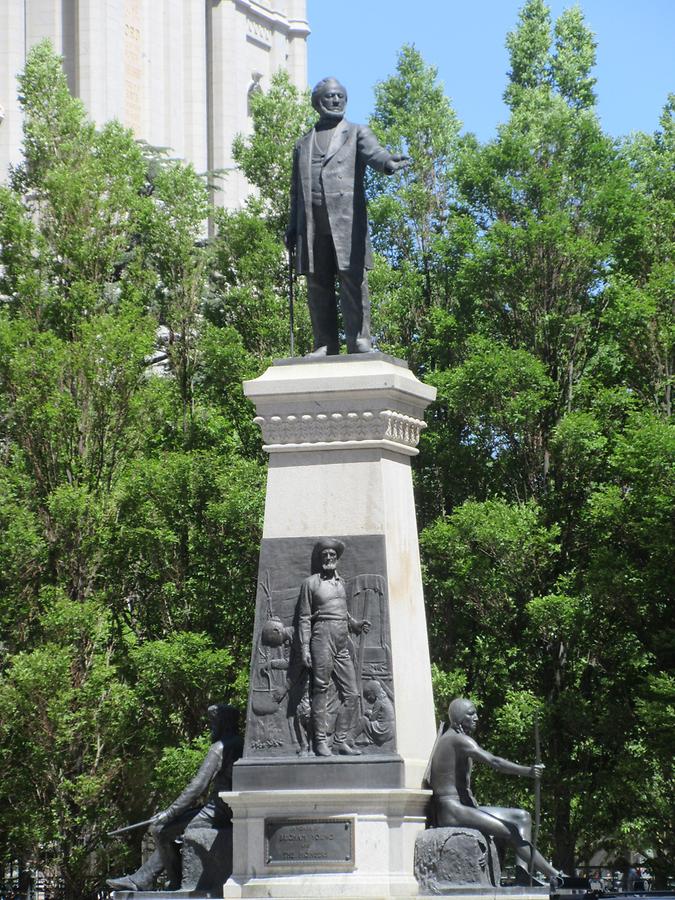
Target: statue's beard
{"type": "Point", "coordinates": [332, 115]}
{"type": "Point", "coordinates": [329, 568]}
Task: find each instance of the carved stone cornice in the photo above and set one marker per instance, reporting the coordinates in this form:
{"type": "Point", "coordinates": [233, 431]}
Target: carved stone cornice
{"type": "Point", "coordinates": [340, 404]}
{"type": "Point", "coordinates": [273, 19]}
{"type": "Point", "coordinates": [335, 430]}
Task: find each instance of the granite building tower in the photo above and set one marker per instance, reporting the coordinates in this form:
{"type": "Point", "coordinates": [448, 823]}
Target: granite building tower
{"type": "Point", "coordinates": [179, 73]}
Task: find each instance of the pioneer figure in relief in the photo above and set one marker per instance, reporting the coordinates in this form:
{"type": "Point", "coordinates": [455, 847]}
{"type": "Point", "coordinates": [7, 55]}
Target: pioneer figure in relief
{"type": "Point", "coordinates": [324, 624]}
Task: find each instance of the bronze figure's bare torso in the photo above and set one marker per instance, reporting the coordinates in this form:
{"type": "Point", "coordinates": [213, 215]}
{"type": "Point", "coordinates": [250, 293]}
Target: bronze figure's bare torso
{"type": "Point", "coordinates": [454, 803]}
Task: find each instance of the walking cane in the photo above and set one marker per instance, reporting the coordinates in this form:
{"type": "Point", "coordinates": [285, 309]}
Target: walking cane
{"type": "Point", "coordinates": [537, 795]}
{"type": "Point", "coordinates": [291, 296]}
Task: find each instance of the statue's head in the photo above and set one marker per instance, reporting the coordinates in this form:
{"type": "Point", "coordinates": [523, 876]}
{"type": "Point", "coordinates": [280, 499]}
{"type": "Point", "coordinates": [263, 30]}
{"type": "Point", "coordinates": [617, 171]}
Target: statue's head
{"type": "Point", "coordinates": [372, 690]}
{"type": "Point", "coordinates": [223, 720]}
{"type": "Point", "coordinates": [329, 99]}
{"type": "Point", "coordinates": [325, 554]}
{"type": "Point", "coordinates": [463, 716]}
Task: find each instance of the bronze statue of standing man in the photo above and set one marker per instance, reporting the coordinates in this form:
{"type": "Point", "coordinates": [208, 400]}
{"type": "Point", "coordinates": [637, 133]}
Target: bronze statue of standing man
{"type": "Point", "coordinates": [328, 223]}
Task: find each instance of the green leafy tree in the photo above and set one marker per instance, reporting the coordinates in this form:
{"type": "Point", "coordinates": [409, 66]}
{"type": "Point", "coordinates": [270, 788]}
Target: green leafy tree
{"type": "Point", "coordinates": [132, 488]}
{"type": "Point", "coordinates": [171, 231]}
{"type": "Point", "coordinates": [640, 317]}
{"type": "Point", "coordinates": [66, 722]}
{"type": "Point", "coordinates": [529, 51]}
{"type": "Point", "coordinates": [551, 354]}
{"type": "Point", "coordinates": [73, 207]}
{"type": "Point", "coordinates": [250, 275]}
{"type": "Point", "coordinates": [250, 288]}
{"type": "Point", "coordinates": [280, 117]}
{"type": "Point", "coordinates": [573, 59]}
{"type": "Point", "coordinates": [412, 213]}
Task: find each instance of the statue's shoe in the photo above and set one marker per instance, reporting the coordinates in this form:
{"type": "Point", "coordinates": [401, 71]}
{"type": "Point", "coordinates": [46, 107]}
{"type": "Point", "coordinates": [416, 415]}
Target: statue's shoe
{"type": "Point", "coordinates": [321, 748]}
{"type": "Point", "coordinates": [345, 749]}
{"type": "Point", "coordinates": [124, 883]}
{"type": "Point", "coordinates": [362, 345]}
{"type": "Point", "coordinates": [319, 353]}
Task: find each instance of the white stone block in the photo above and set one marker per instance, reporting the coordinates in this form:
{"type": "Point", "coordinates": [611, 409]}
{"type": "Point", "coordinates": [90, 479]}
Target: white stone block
{"type": "Point", "coordinates": [340, 434]}
{"type": "Point", "coordinates": [383, 826]}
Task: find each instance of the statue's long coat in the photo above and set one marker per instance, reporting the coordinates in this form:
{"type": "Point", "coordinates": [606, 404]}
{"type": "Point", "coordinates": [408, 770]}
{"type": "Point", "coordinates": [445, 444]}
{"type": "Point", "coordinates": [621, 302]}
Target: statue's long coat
{"type": "Point", "coordinates": [352, 148]}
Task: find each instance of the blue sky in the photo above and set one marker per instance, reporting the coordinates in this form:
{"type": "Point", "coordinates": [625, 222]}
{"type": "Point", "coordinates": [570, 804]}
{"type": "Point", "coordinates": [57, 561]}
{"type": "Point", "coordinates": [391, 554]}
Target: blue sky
{"type": "Point", "coordinates": [358, 41]}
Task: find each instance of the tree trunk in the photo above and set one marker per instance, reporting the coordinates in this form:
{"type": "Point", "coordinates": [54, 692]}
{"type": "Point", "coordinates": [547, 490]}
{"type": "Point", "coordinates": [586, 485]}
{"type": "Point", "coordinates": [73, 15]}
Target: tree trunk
{"type": "Point", "coordinates": [563, 839]}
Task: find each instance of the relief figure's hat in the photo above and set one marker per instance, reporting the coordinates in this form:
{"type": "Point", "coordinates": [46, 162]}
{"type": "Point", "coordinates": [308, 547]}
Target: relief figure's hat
{"type": "Point", "coordinates": [325, 544]}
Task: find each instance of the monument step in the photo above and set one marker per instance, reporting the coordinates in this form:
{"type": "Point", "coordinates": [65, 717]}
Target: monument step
{"type": "Point", "coordinates": [166, 895]}
{"type": "Point", "coordinates": [300, 773]}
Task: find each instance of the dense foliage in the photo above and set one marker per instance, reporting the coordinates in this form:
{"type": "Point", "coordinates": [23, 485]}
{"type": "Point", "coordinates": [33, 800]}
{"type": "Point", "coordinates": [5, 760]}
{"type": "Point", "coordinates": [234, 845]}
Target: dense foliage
{"type": "Point", "coordinates": [530, 279]}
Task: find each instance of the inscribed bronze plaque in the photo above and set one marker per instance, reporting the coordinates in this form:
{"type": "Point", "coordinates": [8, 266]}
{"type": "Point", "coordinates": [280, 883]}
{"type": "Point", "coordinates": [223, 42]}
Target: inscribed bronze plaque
{"type": "Point", "coordinates": [289, 841]}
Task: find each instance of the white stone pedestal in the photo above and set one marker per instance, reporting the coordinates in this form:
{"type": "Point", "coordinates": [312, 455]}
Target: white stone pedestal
{"type": "Point", "coordinates": [380, 830]}
{"type": "Point", "coordinates": [340, 433]}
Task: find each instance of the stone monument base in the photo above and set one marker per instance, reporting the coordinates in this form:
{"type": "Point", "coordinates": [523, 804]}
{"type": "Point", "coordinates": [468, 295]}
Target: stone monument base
{"type": "Point", "coordinates": [299, 845]}
{"type": "Point", "coordinates": [476, 892]}
{"type": "Point", "coordinates": [166, 895]}
{"type": "Point", "coordinates": [447, 859]}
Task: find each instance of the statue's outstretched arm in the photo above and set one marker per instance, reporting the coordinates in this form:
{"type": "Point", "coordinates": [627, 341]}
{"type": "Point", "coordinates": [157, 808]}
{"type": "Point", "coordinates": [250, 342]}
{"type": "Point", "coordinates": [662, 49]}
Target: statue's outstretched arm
{"type": "Point", "coordinates": [376, 156]}
{"type": "Point", "coordinates": [499, 763]}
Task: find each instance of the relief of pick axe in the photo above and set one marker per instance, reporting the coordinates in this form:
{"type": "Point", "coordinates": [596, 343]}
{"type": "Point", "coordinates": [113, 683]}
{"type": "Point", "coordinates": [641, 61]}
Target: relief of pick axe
{"type": "Point", "coordinates": [367, 591]}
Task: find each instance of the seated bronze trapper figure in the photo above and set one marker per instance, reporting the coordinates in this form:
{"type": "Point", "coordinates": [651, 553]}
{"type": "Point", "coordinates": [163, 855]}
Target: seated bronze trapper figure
{"type": "Point", "coordinates": [185, 817]}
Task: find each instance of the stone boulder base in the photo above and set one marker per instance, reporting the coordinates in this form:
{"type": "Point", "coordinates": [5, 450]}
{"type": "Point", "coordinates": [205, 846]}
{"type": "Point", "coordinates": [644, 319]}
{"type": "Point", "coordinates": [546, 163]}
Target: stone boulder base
{"type": "Point", "coordinates": [450, 858]}
{"type": "Point", "coordinates": [207, 864]}
{"type": "Point", "coordinates": [207, 858]}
